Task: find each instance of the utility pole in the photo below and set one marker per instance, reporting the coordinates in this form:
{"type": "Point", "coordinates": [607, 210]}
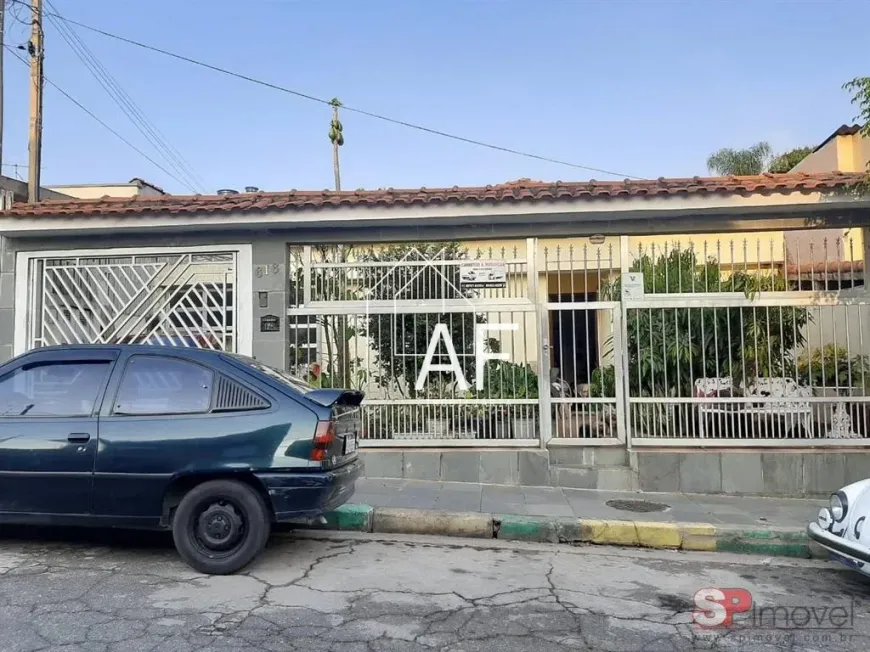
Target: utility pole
{"type": "Point", "coordinates": [336, 135]}
{"type": "Point", "coordinates": [36, 79]}
{"type": "Point", "coordinates": [2, 44]}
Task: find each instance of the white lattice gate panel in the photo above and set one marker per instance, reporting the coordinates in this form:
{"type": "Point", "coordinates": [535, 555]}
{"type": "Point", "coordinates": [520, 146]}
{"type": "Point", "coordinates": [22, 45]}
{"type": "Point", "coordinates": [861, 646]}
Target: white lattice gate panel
{"type": "Point", "coordinates": [185, 299]}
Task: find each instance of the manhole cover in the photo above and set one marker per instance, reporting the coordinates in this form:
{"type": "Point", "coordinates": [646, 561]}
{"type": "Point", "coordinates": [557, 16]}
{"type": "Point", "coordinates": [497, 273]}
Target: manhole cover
{"type": "Point", "coordinates": [640, 506]}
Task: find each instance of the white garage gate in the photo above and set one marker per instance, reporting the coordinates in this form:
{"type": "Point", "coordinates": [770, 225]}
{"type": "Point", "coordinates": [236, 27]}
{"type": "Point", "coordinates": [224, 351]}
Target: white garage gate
{"type": "Point", "coordinates": [193, 296]}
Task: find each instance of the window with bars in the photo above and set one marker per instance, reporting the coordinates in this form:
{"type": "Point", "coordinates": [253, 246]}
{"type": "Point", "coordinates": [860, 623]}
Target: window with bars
{"type": "Point", "coordinates": [303, 339]}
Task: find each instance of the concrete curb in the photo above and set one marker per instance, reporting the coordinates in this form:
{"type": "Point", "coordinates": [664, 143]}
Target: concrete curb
{"type": "Point", "coordinates": [706, 537]}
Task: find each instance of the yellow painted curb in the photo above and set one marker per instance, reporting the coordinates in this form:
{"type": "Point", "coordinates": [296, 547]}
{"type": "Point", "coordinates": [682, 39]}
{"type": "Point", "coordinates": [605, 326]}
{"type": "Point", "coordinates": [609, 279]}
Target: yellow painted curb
{"type": "Point", "coordinates": [615, 533]}
{"type": "Point", "coordinates": [649, 534]}
{"type": "Point", "coordinates": [698, 536]}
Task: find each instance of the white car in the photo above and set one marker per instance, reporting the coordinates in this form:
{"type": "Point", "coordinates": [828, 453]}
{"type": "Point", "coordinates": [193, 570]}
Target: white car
{"type": "Point", "coordinates": [841, 527]}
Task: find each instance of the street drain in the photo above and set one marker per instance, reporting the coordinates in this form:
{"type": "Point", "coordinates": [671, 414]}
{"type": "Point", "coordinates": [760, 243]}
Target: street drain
{"type": "Point", "coordinates": [639, 506]}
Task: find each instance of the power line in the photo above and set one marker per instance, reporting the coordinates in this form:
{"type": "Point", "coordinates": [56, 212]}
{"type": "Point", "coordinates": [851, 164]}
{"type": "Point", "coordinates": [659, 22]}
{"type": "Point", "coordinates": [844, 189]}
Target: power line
{"type": "Point", "coordinates": [127, 105]}
{"type": "Point", "coordinates": [91, 113]}
{"type": "Point", "coordinates": [320, 100]}
{"type": "Point", "coordinates": [122, 99]}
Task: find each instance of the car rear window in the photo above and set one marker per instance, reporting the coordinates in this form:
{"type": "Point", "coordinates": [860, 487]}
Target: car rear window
{"type": "Point", "coordinates": [281, 376]}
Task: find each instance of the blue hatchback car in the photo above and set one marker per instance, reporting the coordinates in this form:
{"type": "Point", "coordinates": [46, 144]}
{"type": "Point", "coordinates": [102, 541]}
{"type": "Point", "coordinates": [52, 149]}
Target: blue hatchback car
{"type": "Point", "coordinates": [214, 446]}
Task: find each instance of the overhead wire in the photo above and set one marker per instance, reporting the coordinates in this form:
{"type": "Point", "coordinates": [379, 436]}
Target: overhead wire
{"type": "Point", "coordinates": [128, 106]}
{"type": "Point", "coordinates": [14, 52]}
{"type": "Point", "coordinates": [351, 109]}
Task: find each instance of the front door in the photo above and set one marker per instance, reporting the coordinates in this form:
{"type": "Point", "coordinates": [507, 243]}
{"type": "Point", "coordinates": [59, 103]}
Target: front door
{"type": "Point", "coordinates": [575, 340]}
{"type": "Point", "coordinates": [49, 402]}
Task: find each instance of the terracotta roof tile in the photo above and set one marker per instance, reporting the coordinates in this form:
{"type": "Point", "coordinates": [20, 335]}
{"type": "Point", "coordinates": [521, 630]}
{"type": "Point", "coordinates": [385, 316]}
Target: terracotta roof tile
{"type": "Point", "coordinates": [521, 190]}
{"type": "Point", "coordinates": [829, 267]}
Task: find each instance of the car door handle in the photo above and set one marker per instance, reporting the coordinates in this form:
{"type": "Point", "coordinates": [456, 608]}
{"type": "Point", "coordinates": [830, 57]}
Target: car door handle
{"type": "Point", "coordinates": [78, 438]}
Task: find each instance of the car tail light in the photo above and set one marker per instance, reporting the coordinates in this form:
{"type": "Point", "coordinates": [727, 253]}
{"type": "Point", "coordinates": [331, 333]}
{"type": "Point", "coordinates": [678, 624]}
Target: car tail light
{"type": "Point", "coordinates": [324, 435]}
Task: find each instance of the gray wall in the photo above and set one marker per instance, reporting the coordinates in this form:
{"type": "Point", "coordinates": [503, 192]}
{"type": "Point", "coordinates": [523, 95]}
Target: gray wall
{"type": "Point", "coordinates": [268, 250]}
{"type": "Point", "coordinates": [7, 299]}
{"type": "Point", "coordinates": [270, 277]}
{"type": "Point", "coordinates": [20, 192]}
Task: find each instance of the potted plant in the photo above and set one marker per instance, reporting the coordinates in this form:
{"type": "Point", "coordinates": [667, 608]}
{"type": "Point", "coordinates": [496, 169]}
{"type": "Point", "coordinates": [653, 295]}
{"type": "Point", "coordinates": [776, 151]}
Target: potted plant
{"type": "Point", "coordinates": [510, 380]}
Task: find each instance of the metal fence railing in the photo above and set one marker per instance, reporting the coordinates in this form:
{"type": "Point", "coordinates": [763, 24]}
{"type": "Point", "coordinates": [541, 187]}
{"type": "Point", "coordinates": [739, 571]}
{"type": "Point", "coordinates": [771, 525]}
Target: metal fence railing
{"type": "Point", "coordinates": [756, 339]}
{"type": "Point", "coordinates": [744, 343]}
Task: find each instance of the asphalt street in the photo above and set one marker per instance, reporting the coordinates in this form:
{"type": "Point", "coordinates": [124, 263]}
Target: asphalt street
{"type": "Point", "coordinates": [104, 592]}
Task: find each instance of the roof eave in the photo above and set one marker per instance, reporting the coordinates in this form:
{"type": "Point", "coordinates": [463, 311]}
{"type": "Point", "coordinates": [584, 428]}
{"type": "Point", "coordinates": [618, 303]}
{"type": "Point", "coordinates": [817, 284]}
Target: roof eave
{"type": "Point", "coordinates": [796, 205]}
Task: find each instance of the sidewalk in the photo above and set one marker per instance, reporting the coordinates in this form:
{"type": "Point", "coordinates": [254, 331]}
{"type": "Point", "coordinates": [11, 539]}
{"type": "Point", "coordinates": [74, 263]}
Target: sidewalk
{"type": "Point", "coordinates": [769, 526]}
{"type": "Point", "coordinates": [584, 503]}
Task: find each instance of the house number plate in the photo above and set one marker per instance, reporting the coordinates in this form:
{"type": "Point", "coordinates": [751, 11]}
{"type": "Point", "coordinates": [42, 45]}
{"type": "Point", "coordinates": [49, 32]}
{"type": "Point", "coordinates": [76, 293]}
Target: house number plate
{"type": "Point", "coordinates": [275, 269]}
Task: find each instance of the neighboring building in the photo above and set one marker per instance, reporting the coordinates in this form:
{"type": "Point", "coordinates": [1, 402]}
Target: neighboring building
{"type": "Point", "coordinates": [847, 151]}
{"type": "Point", "coordinates": [832, 259]}
{"type": "Point", "coordinates": [19, 190]}
{"type": "Point", "coordinates": [133, 188]}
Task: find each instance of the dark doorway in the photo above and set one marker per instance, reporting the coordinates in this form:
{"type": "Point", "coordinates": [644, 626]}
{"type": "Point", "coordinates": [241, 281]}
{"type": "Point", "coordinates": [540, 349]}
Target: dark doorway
{"type": "Point", "coordinates": [575, 339]}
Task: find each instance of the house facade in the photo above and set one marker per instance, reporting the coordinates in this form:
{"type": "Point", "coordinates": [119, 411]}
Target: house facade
{"type": "Point", "coordinates": [619, 335]}
{"type": "Point", "coordinates": [135, 187]}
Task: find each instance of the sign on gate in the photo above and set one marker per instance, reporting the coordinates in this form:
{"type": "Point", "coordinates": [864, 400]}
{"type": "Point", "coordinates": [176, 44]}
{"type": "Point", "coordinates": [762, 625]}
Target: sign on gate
{"type": "Point", "coordinates": [483, 274]}
{"type": "Point", "coordinates": [632, 285]}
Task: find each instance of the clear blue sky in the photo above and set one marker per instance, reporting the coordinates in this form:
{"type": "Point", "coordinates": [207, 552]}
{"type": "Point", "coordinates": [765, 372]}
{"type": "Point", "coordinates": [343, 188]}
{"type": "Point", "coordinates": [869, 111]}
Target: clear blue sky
{"type": "Point", "coordinates": [645, 87]}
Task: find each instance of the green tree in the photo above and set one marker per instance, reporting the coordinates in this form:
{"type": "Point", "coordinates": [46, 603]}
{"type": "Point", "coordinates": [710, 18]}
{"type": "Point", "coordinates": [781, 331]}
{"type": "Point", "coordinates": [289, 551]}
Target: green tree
{"type": "Point", "coordinates": [755, 160]}
{"type": "Point", "coordinates": [787, 160]}
{"type": "Point", "coordinates": [419, 272]}
{"type": "Point", "coordinates": [740, 162]}
{"type": "Point", "coordinates": [329, 282]}
{"type": "Point", "coordinates": [860, 90]}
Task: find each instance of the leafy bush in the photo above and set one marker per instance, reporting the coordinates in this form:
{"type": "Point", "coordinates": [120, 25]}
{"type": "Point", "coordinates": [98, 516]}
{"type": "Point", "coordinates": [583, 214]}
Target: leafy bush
{"type": "Point", "coordinates": [670, 348]}
{"type": "Point", "coordinates": [603, 382]}
{"type": "Point", "coordinates": [831, 366]}
{"type": "Point", "coordinates": [504, 379]}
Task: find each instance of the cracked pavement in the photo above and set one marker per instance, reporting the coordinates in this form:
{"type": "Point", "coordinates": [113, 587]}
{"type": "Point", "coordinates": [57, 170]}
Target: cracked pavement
{"type": "Point", "coordinates": [110, 592]}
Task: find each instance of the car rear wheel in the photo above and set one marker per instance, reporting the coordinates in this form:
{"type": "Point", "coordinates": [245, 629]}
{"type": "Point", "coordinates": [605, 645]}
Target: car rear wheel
{"type": "Point", "coordinates": [220, 526]}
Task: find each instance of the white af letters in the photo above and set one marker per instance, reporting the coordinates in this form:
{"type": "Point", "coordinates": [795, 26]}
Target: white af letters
{"type": "Point", "coordinates": [480, 353]}
{"type": "Point", "coordinates": [439, 332]}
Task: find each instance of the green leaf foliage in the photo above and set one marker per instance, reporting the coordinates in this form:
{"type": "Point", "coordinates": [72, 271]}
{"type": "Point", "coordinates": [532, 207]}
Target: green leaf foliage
{"type": "Point", "coordinates": [668, 349]}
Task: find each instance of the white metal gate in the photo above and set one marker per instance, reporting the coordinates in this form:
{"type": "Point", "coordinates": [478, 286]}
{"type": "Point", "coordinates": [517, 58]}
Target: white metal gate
{"type": "Point", "coordinates": [583, 354]}
{"type": "Point", "coordinates": [365, 316]}
{"type": "Point", "coordinates": [181, 298]}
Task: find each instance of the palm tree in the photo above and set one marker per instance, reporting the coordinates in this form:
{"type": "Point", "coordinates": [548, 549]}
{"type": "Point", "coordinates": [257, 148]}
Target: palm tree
{"type": "Point", "coordinates": [740, 162]}
{"type": "Point", "coordinates": [336, 136]}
